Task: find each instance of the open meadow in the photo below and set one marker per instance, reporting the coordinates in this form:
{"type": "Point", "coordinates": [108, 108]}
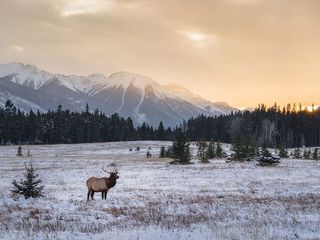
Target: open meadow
{"type": "Point", "coordinates": [155, 200]}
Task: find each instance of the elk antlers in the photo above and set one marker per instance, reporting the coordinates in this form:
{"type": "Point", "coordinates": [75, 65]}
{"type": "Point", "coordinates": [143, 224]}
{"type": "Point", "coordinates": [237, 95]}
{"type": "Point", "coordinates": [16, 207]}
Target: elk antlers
{"type": "Point", "coordinates": [114, 170]}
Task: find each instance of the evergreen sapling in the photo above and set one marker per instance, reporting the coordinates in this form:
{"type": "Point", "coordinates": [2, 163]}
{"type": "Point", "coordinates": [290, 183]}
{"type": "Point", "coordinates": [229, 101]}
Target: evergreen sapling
{"type": "Point", "coordinates": [162, 152]}
{"type": "Point", "coordinates": [306, 154]}
{"type": "Point", "coordinates": [283, 153]}
{"type": "Point", "coordinates": [30, 186]}
{"type": "Point", "coordinates": [315, 154]}
{"type": "Point", "coordinates": [180, 148]}
{"type": "Point", "coordinates": [19, 152]}
{"type": "Point", "coordinates": [202, 148]}
{"type": "Point", "coordinates": [297, 153]}
{"type": "Point", "coordinates": [210, 152]}
{"type": "Point", "coordinates": [219, 150]}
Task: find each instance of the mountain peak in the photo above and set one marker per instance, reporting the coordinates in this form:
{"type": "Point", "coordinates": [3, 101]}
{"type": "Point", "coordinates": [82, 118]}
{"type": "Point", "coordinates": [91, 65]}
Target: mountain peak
{"type": "Point", "coordinates": [25, 74]}
{"type": "Point", "coordinates": [18, 66]}
{"type": "Point", "coordinates": [124, 79]}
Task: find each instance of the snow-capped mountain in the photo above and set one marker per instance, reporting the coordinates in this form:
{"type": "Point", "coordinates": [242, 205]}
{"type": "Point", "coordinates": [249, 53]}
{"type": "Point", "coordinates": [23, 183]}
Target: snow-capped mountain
{"type": "Point", "coordinates": [130, 95]}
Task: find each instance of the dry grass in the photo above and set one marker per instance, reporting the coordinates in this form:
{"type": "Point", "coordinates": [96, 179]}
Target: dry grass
{"type": "Point", "coordinates": [196, 210]}
{"type": "Point", "coordinates": [231, 201]}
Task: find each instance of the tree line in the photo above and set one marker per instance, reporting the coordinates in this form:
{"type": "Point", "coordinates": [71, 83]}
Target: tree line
{"type": "Point", "coordinates": [272, 127]}
{"type": "Point", "coordinates": [289, 127]}
{"type": "Point", "coordinates": [64, 126]}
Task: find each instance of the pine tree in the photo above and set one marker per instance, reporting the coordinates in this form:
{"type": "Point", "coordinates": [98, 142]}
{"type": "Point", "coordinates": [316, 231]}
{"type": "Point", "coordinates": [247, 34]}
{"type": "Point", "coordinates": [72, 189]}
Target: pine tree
{"type": "Point", "coordinates": [283, 153]}
{"type": "Point", "coordinates": [315, 154]}
{"type": "Point", "coordinates": [239, 148]}
{"type": "Point", "coordinates": [162, 152]}
{"type": "Point", "coordinates": [309, 154]}
{"type": "Point", "coordinates": [252, 149]}
{"type": "Point", "coordinates": [161, 132]}
{"type": "Point", "coordinates": [30, 187]}
{"type": "Point", "coordinates": [19, 151]}
{"type": "Point", "coordinates": [210, 152]}
{"type": "Point", "coordinates": [149, 155]}
{"type": "Point", "coordinates": [306, 154]}
{"type": "Point", "coordinates": [297, 153]}
{"type": "Point", "coordinates": [219, 150]}
{"type": "Point", "coordinates": [202, 148]}
{"type": "Point", "coordinates": [180, 148]}
{"type": "Point", "coordinates": [168, 152]}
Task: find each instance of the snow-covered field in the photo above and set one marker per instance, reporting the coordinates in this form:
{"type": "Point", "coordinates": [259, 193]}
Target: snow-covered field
{"type": "Point", "coordinates": [156, 200]}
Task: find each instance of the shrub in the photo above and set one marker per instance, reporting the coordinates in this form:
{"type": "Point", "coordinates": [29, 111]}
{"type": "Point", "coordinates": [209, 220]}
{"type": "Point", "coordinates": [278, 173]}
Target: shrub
{"type": "Point", "coordinates": [19, 151]}
{"type": "Point", "coordinates": [162, 152]}
{"type": "Point", "coordinates": [30, 186]}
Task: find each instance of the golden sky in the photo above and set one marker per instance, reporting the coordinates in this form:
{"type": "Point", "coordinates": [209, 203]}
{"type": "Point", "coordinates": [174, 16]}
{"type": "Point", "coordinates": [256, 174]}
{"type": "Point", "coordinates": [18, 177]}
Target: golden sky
{"type": "Point", "coordinates": [244, 52]}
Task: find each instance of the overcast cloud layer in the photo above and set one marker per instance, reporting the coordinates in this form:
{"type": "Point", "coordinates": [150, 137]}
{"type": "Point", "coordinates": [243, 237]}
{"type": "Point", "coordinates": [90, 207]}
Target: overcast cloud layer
{"type": "Point", "coordinates": [244, 52]}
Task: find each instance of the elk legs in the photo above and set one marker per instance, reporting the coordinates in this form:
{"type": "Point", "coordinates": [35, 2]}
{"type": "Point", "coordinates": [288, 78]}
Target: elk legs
{"type": "Point", "coordinates": [104, 195]}
{"type": "Point", "coordinates": [92, 193]}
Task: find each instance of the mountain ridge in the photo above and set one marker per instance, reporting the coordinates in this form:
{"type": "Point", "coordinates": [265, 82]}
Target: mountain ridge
{"type": "Point", "coordinates": [129, 94]}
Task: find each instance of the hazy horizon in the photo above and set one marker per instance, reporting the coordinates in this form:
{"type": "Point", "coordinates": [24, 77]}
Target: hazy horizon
{"type": "Point", "coordinates": [243, 52]}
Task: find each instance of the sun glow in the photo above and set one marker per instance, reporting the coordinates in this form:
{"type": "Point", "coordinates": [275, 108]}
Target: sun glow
{"type": "Point", "coordinates": [196, 36]}
{"type": "Point", "coordinates": [200, 40]}
{"type": "Point", "coordinates": [310, 108]}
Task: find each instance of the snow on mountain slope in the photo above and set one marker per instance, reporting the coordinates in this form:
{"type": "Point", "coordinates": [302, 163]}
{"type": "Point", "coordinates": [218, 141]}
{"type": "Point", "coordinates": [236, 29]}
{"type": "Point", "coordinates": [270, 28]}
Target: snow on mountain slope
{"type": "Point", "coordinates": [196, 100]}
{"type": "Point", "coordinates": [131, 95]}
{"type": "Point", "coordinates": [27, 75]}
{"type": "Point", "coordinates": [31, 76]}
{"type": "Point", "coordinates": [83, 84]}
{"type": "Point", "coordinates": [124, 79]}
{"type": "Point", "coordinates": [19, 102]}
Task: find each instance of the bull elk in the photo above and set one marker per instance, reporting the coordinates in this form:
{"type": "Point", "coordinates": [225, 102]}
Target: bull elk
{"type": "Point", "coordinates": [102, 184]}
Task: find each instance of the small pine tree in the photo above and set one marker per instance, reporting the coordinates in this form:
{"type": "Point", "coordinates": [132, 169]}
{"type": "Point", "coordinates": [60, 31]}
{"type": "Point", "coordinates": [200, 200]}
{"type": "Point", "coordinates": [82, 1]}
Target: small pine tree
{"type": "Point", "coordinates": [30, 187]}
{"type": "Point", "coordinates": [315, 154]}
{"type": "Point", "coordinates": [180, 148]}
{"type": "Point", "coordinates": [202, 148]}
{"type": "Point", "coordinates": [19, 152]}
{"type": "Point", "coordinates": [297, 153]}
{"type": "Point", "coordinates": [310, 154]}
{"type": "Point", "coordinates": [210, 152]}
{"type": "Point", "coordinates": [187, 155]}
{"type": "Point", "coordinates": [265, 152]}
{"type": "Point", "coordinates": [219, 150]}
{"type": "Point", "coordinates": [283, 153]}
{"type": "Point", "coordinates": [162, 152]}
{"type": "Point", "coordinates": [149, 155]}
{"type": "Point", "coordinates": [169, 153]}
{"type": "Point", "coordinates": [306, 154]}
{"type": "Point", "coordinates": [239, 148]}
{"type": "Point", "coordinates": [252, 149]}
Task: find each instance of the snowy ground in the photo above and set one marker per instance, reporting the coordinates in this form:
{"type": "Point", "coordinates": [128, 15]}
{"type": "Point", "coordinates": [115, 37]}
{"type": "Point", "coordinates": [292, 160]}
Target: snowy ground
{"type": "Point", "coordinates": [155, 200]}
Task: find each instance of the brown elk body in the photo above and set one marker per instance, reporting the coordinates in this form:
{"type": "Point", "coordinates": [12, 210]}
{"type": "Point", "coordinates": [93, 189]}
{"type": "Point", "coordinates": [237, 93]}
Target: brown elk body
{"type": "Point", "coordinates": [102, 185]}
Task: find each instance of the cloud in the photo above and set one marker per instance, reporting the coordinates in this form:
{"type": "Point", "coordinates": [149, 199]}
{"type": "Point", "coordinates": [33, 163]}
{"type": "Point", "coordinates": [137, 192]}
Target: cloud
{"type": "Point", "coordinates": [75, 7]}
{"type": "Point", "coordinates": [245, 2]}
{"type": "Point", "coordinates": [213, 47]}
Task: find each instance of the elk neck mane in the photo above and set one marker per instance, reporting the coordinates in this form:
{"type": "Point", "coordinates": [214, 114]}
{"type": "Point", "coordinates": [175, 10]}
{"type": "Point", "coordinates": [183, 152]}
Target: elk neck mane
{"type": "Point", "coordinates": [111, 181]}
